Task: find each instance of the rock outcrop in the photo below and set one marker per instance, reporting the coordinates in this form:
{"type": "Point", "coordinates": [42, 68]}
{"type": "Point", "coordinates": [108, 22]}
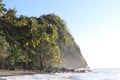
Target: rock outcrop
{"type": "Point", "coordinates": [72, 57]}
{"type": "Point", "coordinates": [71, 54]}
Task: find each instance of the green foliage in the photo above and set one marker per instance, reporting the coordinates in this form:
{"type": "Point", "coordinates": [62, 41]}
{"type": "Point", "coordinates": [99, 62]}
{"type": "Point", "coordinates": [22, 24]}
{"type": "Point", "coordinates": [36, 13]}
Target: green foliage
{"type": "Point", "coordinates": [22, 21]}
{"type": "Point", "coordinates": [10, 16]}
{"type": "Point", "coordinates": [31, 41]}
{"type": "Point", "coordinates": [2, 9]}
{"type": "Point", "coordinates": [4, 47]}
{"type": "Point", "coordinates": [4, 50]}
{"type": "Point", "coordinates": [64, 35]}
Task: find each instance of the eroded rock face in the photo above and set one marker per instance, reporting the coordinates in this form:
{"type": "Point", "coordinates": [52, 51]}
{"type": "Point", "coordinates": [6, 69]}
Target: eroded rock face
{"type": "Point", "coordinates": [71, 54]}
{"type": "Point", "coordinates": [72, 57]}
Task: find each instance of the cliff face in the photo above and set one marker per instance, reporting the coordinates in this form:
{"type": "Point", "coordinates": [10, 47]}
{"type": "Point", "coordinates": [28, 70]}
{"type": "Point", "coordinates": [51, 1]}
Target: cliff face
{"type": "Point", "coordinates": [71, 54]}
{"type": "Point", "coordinates": [72, 57]}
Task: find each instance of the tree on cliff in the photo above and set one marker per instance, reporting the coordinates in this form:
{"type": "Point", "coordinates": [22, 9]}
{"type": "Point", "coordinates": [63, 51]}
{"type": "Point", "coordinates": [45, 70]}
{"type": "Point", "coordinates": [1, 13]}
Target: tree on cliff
{"type": "Point", "coordinates": [32, 42]}
{"type": "Point", "coordinates": [4, 51]}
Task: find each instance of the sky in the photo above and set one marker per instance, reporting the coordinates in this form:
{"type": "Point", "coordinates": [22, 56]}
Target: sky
{"type": "Point", "coordinates": [94, 24]}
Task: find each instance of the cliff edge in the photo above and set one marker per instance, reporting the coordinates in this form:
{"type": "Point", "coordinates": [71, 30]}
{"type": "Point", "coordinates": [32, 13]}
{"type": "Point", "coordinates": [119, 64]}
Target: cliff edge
{"type": "Point", "coordinates": [71, 54]}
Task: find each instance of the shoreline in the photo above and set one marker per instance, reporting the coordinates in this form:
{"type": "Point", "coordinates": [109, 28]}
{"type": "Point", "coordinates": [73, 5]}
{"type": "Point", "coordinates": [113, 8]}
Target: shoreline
{"type": "Point", "coordinates": [4, 72]}
{"type": "Point", "coordinates": [15, 73]}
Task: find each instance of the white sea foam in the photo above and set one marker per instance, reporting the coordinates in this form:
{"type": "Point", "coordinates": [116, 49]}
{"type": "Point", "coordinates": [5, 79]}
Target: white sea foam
{"type": "Point", "coordinates": [97, 74]}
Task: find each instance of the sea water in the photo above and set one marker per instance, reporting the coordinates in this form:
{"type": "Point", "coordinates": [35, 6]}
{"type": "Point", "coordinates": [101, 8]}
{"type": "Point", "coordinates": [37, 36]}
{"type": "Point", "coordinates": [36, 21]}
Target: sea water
{"type": "Point", "coordinates": [95, 74]}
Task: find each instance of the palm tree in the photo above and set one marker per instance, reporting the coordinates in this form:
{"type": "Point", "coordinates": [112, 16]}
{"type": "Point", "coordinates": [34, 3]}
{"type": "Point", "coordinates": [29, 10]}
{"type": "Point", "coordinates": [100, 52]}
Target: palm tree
{"type": "Point", "coordinates": [2, 9]}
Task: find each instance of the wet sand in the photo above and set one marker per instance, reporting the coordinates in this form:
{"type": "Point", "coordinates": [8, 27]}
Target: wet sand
{"type": "Point", "coordinates": [44, 71]}
{"type": "Point", "coordinates": [15, 73]}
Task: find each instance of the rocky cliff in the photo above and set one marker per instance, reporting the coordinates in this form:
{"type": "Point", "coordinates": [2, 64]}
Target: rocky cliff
{"type": "Point", "coordinates": [71, 54]}
{"type": "Point", "coordinates": [72, 57]}
{"type": "Point", "coordinates": [68, 53]}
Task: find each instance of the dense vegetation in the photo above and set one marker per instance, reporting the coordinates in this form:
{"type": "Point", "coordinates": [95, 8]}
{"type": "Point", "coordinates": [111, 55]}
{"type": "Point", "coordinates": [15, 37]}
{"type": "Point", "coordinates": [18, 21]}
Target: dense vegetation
{"type": "Point", "coordinates": [27, 42]}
